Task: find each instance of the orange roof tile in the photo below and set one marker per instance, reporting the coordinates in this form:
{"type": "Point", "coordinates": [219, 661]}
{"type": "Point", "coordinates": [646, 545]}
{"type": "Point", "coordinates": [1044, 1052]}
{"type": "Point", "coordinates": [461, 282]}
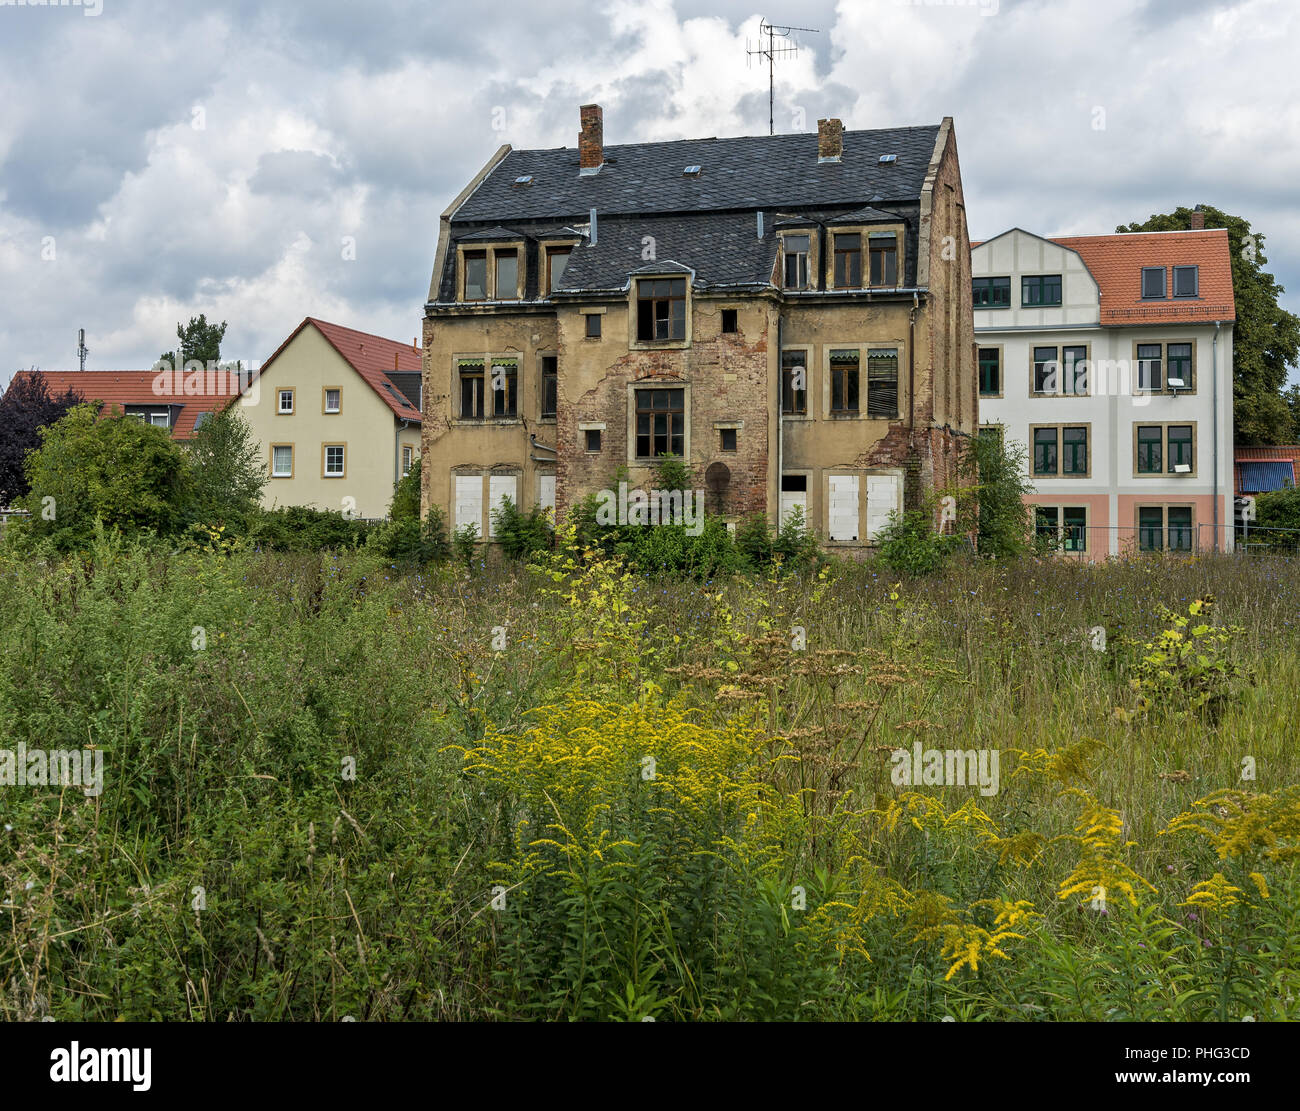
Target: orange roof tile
{"type": "Point", "coordinates": [144, 387]}
{"type": "Point", "coordinates": [1116, 261]}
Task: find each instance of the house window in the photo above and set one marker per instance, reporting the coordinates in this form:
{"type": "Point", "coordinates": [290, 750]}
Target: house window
{"type": "Point", "coordinates": [992, 432]}
{"type": "Point", "coordinates": [990, 371]}
{"type": "Point", "coordinates": [505, 398]}
{"type": "Point", "coordinates": [882, 383]}
{"type": "Point", "coordinates": [592, 438]}
{"type": "Point", "coordinates": [660, 423]}
{"type": "Point", "coordinates": [1179, 357]}
{"type": "Point", "coordinates": [794, 383]}
{"type": "Point", "coordinates": [285, 403]}
{"type": "Point", "coordinates": [1178, 438]}
{"type": "Point", "coordinates": [1075, 362]}
{"type": "Point", "coordinates": [1045, 368]}
{"type": "Point", "coordinates": [333, 460]}
{"type": "Point", "coordinates": [160, 420]}
{"type": "Point", "coordinates": [848, 261]}
{"type": "Point", "coordinates": [884, 259]}
{"type": "Point", "coordinates": [1040, 290]}
{"type": "Point", "coordinates": [661, 309]}
{"type": "Point", "coordinates": [844, 381]}
{"type": "Point", "coordinates": [1045, 443]}
{"type": "Point", "coordinates": [1151, 528]}
{"type": "Point", "coordinates": [333, 399]}
{"type": "Point", "coordinates": [1149, 366]}
{"type": "Point", "coordinates": [1165, 527]}
{"type": "Point", "coordinates": [475, 276]}
{"type": "Point", "coordinates": [1065, 526]}
{"type": "Point", "coordinates": [507, 283]}
{"type": "Point", "coordinates": [729, 321]}
{"type": "Point", "coordinates": [1150, 449]}
{"type": "Point", "coordinates": [1178, 520]}
{"type": "Point", "coordinates": [550, 382]}
{"type": "Point", "coordinates": [1186, 281]}
{"type": "Point", "coordinates": [795, 248]}
{"type": "Point", "coordinates": [471, 389]}
{"type": "Point", "coordinates": [1045, 523]}
{"type": "Point", "coordinates": [557, 258]}
{"type": "Point", "coordinates": [593, 325]}
{"type": "Point", "coordinates": [408, 454]}
{"type": "Point", "coordinates": [727, 439]}
{"type": "Point", "coordinates": [1153, 283]}
{"type": "Point", "coordinates": [991, 293]}
{"type": "Point", "coordinates": [1074, 451]}
{"type": "Point", "coordinates": [282, 460]}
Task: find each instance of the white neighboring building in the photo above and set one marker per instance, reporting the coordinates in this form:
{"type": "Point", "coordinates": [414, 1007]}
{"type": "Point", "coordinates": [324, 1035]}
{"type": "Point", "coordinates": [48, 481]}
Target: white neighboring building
{"type": "Point", "coordinates": [1109, 357]}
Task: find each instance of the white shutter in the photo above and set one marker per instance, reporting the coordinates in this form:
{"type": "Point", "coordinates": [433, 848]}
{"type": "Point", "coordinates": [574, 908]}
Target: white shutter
{"type": "Point", "coordinates": [790, 499]}
{"type": "Point", "coordinates": [843, 507]}
{"type": "Point", "coordinates": [500, 487]}
{"type": "Point", "coordinates": [546, 492]}
{"type": "Point", "coordinates": [469, 501]}
{"type": "Point", "coordinates": [883, 498]}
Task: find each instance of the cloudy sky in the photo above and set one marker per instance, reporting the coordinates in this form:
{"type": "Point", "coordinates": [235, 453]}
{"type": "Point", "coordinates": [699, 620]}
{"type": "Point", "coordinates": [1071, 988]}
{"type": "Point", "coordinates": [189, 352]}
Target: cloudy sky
{"type": "Point", "coordinates": [160, 158]}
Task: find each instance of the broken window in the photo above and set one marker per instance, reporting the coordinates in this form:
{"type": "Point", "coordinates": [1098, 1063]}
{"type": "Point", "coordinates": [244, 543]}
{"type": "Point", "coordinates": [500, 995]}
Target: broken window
{"type": "Point", "coordinates": [661, 309]}
{"type": "Point", "coordinates": [796, 261]}
{"type": "Point", "coordinates": [550, 381]}
{"type": "Point", "coordinates": [470, 372]}
{"type": "Point", "coordinates": [507, 284]}
{"type": "Point", "coordinates": [884, 259]}
{"type": "Point", "coordinates": [848, 261]}
{"type": "Point", "coordinates": [660, 423]}
{"type": "Point", "coordinates": [794, 383]}
{"type": "Point", "coordinates": [475, 276]}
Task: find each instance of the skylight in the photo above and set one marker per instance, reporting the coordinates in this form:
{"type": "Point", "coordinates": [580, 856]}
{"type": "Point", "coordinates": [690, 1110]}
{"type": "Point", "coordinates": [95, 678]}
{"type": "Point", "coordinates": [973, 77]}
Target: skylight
{"type": "Point", "coordinates": [889, 158]}
{"type": "Point", "coordinates": [524, 179]}
{"type": "Point", "coordinates": [692, 171]}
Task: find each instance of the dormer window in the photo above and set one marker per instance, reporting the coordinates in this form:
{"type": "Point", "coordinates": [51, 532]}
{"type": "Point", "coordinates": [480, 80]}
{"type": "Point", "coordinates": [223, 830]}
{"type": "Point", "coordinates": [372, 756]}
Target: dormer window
{"type": "Point", "coordinates": [1186, 281]}
{"type": "Point", "coordinates": [557, 258]}
{"type": "Point", "coordinates": [1153, 283]}
{"type": "Point", "coordinates": [795, 251]}
{"type": "Point", "coordinates": [848, 261]}
{"type": "Point", "coordinates": [884, 258]}
{"type": "Point", "coordinates": [490, 273]}
{"type": "Point", "coordinates": [475, 276]}
{"type": "Point", "coordinates": [507, 275]}
{"type": "Point", "coordinates": [661, 309]}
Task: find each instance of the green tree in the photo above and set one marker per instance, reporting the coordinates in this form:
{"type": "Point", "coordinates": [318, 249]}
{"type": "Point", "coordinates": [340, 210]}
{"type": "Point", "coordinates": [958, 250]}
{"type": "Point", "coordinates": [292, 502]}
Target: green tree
{"type": "Point", "coordinates": [120, 470]}
{"type": "Point", "coordinates": [994, 507]}
{"type": "Point", "coordinates": [406, 494]}
{"type": "Point", "coordinates": [198, 340]}
{"type": "Point", "coordinates": [1277, 519]}
{"type": "Point", "coordinates": [229, 474]}
{"type": "Point", "coordinates": [1265, 338]}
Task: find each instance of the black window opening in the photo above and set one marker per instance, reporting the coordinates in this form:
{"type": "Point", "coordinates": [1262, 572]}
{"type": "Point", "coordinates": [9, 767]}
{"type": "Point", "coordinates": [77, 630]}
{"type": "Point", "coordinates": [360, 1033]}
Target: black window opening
{"type": "Point", "coordinates": [1186, 281]}
{"type": "Point", "coordinates": [884, 259]}
{"type": "Point", "coordinates": [991, 293]}
{"type": "Point", "coordinates": [471, 390]}
{"type": "Point", "coordinates": [1153, 283]}
{"type": "Point", "coordinates": [592, 437]}
{"type": "Point", "coordinates": [550, 384]}
{"type": "Point", "coordinates": [726, 439]}
{"type": "Point", "coordinates": [795, 248]}
{"type": "Point", "coordinates": [505, 394]}
{"type": "Point", "coordinates": [1040, 290]}
{"type": "Point", "coordinates": [1149, 367]}
{"type": "Point", "coordinates": [660, 423]}
{"type": "Point", "coordinates": [794, 383]}
{"type": "Point", "coordinates": [848, 261]}
{"type": "Point", "coordinates": [475, 276]}
{"type": "Point", "coordinates": [729, 325]}
{"type": "Point", "coordinates": [661, 309]}
{"type": "Point", "coordinates": [882, 383]}
{"type": "Point", "coordinates": [794, 484]}
{"type": "Point", "coordinates": [593, 325]}
{"type": "Point", "coordinates": [845, 365]}
{"type": "Point", "coordinates": [990, 360]}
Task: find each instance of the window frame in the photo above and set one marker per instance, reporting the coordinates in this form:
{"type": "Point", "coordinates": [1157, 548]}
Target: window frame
{"type": "Point", "coordinates": [280, 410]}
{"type": "Point", "coordinates": [408, 458]}
{"type": "Point", "coordinates": [511, 390]}
{"type": "Point", "coordinates": [836, 251]}
{"type": "Point", "coordinates": [1059, 429]}
{"type": "Point", "coordinates": [1196, 282]}
{"type": "Point", "coordinates": [543, 357]}
{"type": "Point", "coordinates": [325, 397]}
{"type": "Point", "coordinates": [850, 375]}
{"type": "Point", "coordinates": [550, 250]}
{"type": "Point", "coordinates": [635, 341]}
{"type": "Point", "coordinates": [733, 320]}
{"type": "Point", "coordinates": [898, 382]}
{"type": "Point", "coordinates": [1042, 280]}
{"type": "Point", "coordinates": [1190, 376]}
{"type": "Point", "coordinates": [634, 411]}
{"type": "Point", "coordinates": [459, 365]}
{"type": "Point", "coordinates": [786, 254]}
{"type": "Point", "coordinates": [806, 412]}
{"type": "Point", "coordinates": [325, 449]}
{"type": "Point", "coordinates": [989, 305]}
{"type": "Point", "coordinates": [1163, 509]}
{"type": "Point", "coordinates": [1163, 295]}
{"type": "Point", "coordinates": [1166, 455]}
{"type": "Point", "coordinates": [271, 461]}
{"type": "Point", "coordinates": [590, 319]}
{"type": "Point", "coordinates": [881, 236]}
{"type": "Point", "coordinates": [489, 252]}
{"type": "Point", "coordinates": [998, 350]}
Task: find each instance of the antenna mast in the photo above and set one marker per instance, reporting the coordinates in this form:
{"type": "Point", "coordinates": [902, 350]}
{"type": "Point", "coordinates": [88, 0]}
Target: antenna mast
{"type": "Point", "coordinates": [82, 351]}
{"type": "Point", "coordinates": [770, 52]}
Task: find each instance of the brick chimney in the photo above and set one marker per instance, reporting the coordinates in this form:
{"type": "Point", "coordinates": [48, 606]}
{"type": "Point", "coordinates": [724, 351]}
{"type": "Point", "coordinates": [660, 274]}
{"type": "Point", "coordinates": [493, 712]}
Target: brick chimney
{"type": "Point", "coordinates": [591, 139]}
{"type": "Point", "coordinates": [830, 140]}
{"type": "Point", "coordinates": [1198, 219]}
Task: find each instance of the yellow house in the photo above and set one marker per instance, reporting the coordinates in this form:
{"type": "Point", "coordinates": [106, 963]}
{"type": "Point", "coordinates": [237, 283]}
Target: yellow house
{"type": "Point", "coordinates": [337, 415]}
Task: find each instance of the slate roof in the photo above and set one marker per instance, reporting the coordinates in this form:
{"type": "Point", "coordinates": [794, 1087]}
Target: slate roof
{"type": "Point", "coordinates": [136, 387]}
{"type": "Point", "coordinates": [750, 172]}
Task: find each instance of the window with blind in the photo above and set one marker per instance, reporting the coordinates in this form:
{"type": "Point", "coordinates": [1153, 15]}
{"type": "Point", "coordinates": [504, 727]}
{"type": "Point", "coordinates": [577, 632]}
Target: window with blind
{"type": "Point", "coordinates": [882, 383]}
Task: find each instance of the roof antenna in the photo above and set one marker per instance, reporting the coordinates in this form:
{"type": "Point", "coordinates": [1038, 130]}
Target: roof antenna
{"type": "Point", "coordinates": [82, 350]}
{"type": "Point", "coordinates": [770, 52]}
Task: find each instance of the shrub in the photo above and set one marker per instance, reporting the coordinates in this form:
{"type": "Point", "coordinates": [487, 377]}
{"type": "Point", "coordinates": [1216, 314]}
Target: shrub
{"type": "Point", "coordinates": [910, 545]}
{"type": "Point", "coordinates": [410, 541]}
{"type": "Point", "coordinates": [229, 473]}
{"type": "Point", "coordinates": [464, 543]}
{"type": "Point", "coordinates": [997, 500]}
{"type": "Point", "coordinates": [1278, 510]}
{"type": "Point", "coordinates": [299, 528]}
{"type": "Point", "coordinates": [406, 494]}
{"type": "Point", "coordinates": [520, 534]}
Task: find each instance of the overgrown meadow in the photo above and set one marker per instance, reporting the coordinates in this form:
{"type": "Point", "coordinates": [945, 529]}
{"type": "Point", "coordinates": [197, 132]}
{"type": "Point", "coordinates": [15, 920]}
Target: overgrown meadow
{"type": "Point", "coordinates": [336, 789]}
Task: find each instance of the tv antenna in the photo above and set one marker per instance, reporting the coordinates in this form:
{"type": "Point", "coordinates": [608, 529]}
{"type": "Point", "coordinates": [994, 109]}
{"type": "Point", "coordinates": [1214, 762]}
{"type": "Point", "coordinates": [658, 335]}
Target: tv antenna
{"type": "Point", "coordinates": [82, 350]}
{"type": "Point", "coordinates": [770, 52]}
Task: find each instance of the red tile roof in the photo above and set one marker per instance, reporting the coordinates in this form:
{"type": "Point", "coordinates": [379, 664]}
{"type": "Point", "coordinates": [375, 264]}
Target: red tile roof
{"type": "Point", "coordinates": [1116, 261]}
{"type": "Point", "coordinates": [144, 387]}
{"type": "Point", "coordinates": [370, 356]}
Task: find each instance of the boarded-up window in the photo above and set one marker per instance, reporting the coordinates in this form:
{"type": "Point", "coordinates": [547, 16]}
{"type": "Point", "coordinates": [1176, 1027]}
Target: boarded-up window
{"type": "Point", "coordinates": [469, 501]}
{"type": "Point", "coordinates": [843, 507]}
{"type": "Point", "coordinates": [883, 498]}
{"type": "Point", "coordinates": [794, 493]}
{"type": "Point", "coordinates": [500, 487]}
{"type": "Point", "coordinates": [546, 492]}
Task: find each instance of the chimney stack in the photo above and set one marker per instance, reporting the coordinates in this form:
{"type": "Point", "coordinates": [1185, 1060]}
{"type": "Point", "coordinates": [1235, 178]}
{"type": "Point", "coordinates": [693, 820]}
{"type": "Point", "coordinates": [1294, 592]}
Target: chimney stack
{"type": "Point", "coordinates": [591, 139]}
{"type": "Point", "coordinates": [1198, 219]}
{"type": "Point", "coordinates": [830, 140]}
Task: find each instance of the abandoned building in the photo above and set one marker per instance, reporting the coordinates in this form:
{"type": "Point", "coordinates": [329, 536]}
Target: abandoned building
{"type": "Point", "coordinates": [790, 314]}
